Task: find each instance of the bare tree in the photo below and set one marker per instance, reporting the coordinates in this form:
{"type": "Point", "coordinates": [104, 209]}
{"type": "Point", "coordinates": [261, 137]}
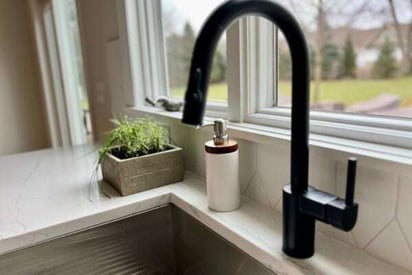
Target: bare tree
{"type": "Point", "coordinates": [326, 10]}
{"type": "Point", "coordinates": [404, 43]}
{"type": "Point", "coordinates": [326, 16]}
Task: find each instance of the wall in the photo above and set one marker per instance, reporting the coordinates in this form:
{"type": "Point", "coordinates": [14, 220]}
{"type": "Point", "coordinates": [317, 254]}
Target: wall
{"type": "Point", "coordinates": [98, 25]}
{"type": "Point", "coordinates": [383, 189]}
{"type": "Point", "coordinates": [384, 227]}
{"type": "Point", "coordinates": [22, 118]}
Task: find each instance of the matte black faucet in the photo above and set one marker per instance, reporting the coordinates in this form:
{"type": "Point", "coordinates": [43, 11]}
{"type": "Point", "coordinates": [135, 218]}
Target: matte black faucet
{"type": "Point", "coordinates": [302, 205]}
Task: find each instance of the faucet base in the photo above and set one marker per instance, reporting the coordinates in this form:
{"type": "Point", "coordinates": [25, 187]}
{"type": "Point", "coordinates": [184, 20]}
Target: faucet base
{"type": "Point", "coordinates": [298, 228]}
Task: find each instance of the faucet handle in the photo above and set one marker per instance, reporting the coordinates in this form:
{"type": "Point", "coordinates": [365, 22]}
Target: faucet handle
{"type": "Point", "coordinates": [344, 213]}
{"type": "Point", "coordinates": [350, 181]}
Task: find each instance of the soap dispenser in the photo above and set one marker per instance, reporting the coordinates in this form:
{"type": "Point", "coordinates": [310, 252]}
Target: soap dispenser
{"type": "Point", "coordinates": [222, 170]}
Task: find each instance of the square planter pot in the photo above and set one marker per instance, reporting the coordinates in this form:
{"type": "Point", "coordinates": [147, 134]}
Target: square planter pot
{"type": "Point", "coordinates": [138, 174]}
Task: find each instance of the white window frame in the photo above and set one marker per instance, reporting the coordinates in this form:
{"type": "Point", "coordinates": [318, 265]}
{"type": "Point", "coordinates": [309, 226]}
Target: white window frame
{"type": "Point", "coordinates": [368, 128]}
{"type": "Point", "coordinates": [251, 100]}
{"type": "Point", "coordinates": [145, 43]}
{"type": "Point", "coordinates": [149, 77]}
{"type": "Point", "coordinates": [59, 73]}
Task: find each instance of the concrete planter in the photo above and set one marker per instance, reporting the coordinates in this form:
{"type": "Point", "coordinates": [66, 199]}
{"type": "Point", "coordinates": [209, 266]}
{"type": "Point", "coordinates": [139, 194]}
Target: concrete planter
{"type": "Point", "coordinates": [138, 174]}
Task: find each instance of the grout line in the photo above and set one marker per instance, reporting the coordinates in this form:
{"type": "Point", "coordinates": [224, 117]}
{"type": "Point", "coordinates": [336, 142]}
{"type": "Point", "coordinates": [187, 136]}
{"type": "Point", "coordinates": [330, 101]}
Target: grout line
{"type": "Point", "coordinates": [377, 234]}
{"type": "Point", "coordinates": [250, 182]}
{"type": "Point", "coordinates": [393, 219]}
{"type": "Point", "coordinates": [354, 240]}
{"type": "Point", "coordinates": [277, 202]}
{"type": "Point", "coordinates": [404, 236]}
{"type": "Point", "coordinates": [254, 172]}
{"type": "Point", "coordinates": [335, 184]}
{"type": "Point", "coordinates": [255, 157]}
{"type": "Point", "coordinates": [354, 244]}
{"type": "Point", "coordinates": [265, 194]}
{"type": "Point", "coordinates": [398, 195]}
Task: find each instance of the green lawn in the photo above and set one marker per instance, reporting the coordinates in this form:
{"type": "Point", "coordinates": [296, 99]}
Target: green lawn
{"type": "Point", "coordinates": [217, 92]}
{"type": "Point", "coordinates": [352, 91]}
{"type": "Point", "coordinates": [346, 91]}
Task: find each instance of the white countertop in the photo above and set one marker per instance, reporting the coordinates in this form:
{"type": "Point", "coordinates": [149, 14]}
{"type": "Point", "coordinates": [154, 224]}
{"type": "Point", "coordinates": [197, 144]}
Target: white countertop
{"type": "Point", "coordinates": [46, 194]}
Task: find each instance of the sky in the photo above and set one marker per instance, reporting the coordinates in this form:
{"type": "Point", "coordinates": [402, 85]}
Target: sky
{"type": "Point", "coordinates": [196, 12]}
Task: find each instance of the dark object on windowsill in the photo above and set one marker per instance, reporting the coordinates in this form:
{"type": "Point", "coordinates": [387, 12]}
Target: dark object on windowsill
{"type": "Point", "coordinates": [302, 205]}
{"type": "Point", "coordinates": [167, 103]}
{"type": "Point", "coordinates": [150, 102]}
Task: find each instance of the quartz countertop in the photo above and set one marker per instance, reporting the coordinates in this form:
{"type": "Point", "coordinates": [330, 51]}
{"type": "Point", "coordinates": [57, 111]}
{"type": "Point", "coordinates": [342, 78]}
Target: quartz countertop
{"type": "Point", "coordinates": [46, 194]}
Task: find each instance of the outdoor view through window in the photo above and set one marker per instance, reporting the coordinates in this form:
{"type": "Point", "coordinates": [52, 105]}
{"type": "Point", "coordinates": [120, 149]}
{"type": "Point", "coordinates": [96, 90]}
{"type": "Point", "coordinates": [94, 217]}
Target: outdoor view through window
{"type": "Point", "coordinates": [182, 21]}
{"type": "Point", "coordinates": [360, 55]}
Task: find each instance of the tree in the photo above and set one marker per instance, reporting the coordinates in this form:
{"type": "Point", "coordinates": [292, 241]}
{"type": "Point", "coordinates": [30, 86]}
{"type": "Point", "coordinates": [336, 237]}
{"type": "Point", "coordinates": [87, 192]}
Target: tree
{"type": "Point", "coordinates": [175, 65]}
{"type": "Point", "coordinates": [219, 67]}
{"type": "Point", "coordinates": [385, 66]}
{"type": "Point", "coordinates": [179, 55]}
{"type": "Point", "coordinates": [348, 60]}
{"type": "Point", "coordinates": [323, 16]}
{"type": "Point", "coordinates": [285, 66]}
{"type": "Point", "coordinates": [320, 42]}
{"type": "Point", "coordinates": [187, 44]}
{"type": "Point", "coordinates": [404, 40]}
{"type": "Point", "coordinates": [330, 61]}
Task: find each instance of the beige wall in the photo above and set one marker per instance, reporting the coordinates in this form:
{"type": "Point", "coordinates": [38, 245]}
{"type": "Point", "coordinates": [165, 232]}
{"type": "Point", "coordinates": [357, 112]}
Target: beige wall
{"type": "Point", "coordinates": [22, 121]}
{"type": "Point", "coordinates": [98, 24]}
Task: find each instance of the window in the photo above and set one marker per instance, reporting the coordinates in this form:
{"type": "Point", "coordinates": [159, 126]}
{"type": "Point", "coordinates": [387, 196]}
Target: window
{"type": "Point", "coordinates": [182, 21]}
{"type": "Point", "coordinates": [67, 102]}
{"type": "Point", "coordinates": [359, 58]}
{"type": "Point", "coordinates": [361, 84]}
{"type": "Point", "coordinates": [353, 78]}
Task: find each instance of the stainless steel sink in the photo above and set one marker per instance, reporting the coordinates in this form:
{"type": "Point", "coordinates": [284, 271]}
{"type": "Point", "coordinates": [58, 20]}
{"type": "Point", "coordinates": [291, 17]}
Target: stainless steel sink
{"type": "Point", "coordinates": [165, 240]}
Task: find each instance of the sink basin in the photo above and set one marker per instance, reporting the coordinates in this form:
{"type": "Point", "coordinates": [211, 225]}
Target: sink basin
{"type": "Point", "coordinates": [164, 240]}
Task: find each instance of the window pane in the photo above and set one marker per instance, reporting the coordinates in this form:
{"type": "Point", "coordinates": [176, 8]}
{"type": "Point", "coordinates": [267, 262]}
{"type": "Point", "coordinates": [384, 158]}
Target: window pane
{"type": "Point", "coordinates": [182, 20]}
{"type": "Point", "coordinates": [360, 56]}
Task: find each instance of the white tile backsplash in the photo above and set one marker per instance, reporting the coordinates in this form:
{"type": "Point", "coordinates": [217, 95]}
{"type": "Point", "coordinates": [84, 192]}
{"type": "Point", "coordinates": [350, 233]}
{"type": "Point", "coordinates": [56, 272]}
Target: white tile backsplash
{"type": "Point", "coordinates": [273, 167]}
{"type": "Point", "coordinates": [391, 245]}
{"type": "Point", "coordinates": [256, 192]}
{"type": "Point", "coordinates": [376, 193]}
{"type": "Point", "coordinates": [247, 163]}
{"type": "Point", "coordinates": [385, 214]}
{"type": "Point", "coordinates": [195, 154]}
{"type": "Point", "coordinates": [323, 178]}
{"type": "Point", "coordinates": [404, 208]}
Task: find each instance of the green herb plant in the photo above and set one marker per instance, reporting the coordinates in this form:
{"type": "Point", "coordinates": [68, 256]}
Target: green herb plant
{"type": "Point", "coordinates": [133, 138]}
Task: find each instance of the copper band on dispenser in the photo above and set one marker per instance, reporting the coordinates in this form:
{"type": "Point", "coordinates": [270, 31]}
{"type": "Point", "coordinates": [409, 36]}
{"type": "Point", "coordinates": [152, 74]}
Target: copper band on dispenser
{"type": "Point", "coordinates": [229, 147]}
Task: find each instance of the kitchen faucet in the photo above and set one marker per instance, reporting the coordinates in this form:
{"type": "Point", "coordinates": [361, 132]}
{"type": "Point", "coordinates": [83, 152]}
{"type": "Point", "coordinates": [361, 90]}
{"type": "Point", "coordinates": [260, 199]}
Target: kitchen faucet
{"type": "Point", "coordinates": [302, 205]}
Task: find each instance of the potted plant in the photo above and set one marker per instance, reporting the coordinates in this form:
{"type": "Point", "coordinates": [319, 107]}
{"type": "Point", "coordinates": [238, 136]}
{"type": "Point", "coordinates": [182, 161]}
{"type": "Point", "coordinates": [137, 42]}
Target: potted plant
{"type": "Point", "coordinates": [137, 156]}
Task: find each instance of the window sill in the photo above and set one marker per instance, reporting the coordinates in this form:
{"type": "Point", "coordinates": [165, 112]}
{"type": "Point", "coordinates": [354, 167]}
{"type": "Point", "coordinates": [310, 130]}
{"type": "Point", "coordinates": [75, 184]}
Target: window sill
{"type": "Point", "coordinates": [341, 148]}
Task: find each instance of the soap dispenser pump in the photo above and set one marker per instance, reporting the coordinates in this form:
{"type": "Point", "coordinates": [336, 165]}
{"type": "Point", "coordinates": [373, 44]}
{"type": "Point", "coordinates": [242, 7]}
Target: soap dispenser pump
{"type": "Point", "coordinates": [222, 170]}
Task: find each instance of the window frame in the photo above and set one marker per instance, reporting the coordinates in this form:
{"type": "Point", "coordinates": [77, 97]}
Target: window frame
{"type": "Point", "coordinates": [251, 78]}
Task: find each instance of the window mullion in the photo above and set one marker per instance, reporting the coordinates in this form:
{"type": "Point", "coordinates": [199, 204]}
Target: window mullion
{"type": "Point", "coordinates": [137, 71]}
{"type": "Point", "coordinates": [143, 40]}
{"type": "Point", "coordinates": [265, 55]}
{"type": "Point", "coordinates": [236, 71]}
{"type": "Point", "coordinates": [261, 60]}
{"type": "Point", "coordinates": [156, 49]}
{"type": "Point", "coordinates": [129, 96]}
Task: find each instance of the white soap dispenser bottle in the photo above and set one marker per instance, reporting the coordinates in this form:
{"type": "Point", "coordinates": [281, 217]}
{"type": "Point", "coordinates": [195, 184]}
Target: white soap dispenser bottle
{"type": "Point", "coordinates": [222, 170]}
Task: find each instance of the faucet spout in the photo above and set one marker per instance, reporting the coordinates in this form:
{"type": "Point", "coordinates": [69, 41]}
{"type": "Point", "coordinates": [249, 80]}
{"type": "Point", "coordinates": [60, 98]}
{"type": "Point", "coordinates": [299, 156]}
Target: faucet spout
{"type": "Point", "coordinates": [301, 205]}
{"type": "Point", "coordinates": [196, 93]}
